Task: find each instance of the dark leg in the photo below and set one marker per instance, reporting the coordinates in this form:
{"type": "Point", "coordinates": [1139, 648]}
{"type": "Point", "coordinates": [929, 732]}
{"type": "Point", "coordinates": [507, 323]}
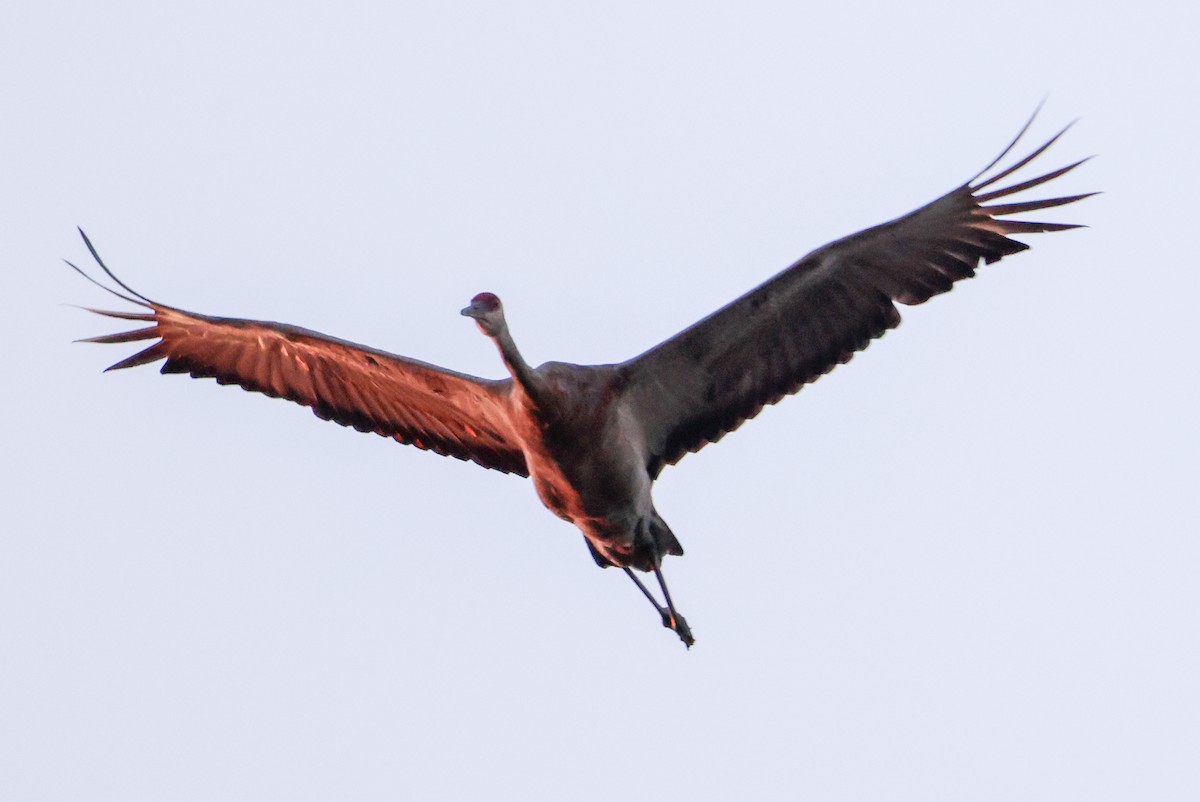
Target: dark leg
{"type": "Point", "coordinates": [677, 622]}
{"type": "Point", "coordinates": [670, 618]}
{"type": "Point", "coordinates": [662, 611]}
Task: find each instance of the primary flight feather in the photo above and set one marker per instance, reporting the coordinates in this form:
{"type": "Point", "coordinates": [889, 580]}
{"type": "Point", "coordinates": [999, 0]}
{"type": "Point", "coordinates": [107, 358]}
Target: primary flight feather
{"type": "Point", "coordinates": [594, 437]}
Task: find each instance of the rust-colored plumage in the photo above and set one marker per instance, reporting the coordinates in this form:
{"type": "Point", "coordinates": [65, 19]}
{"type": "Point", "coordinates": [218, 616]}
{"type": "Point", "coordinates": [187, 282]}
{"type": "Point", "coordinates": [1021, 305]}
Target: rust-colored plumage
{"type": "Point", "coordinates": [594, 437]}
{"type": "Point", "coordinates": [372, 391]}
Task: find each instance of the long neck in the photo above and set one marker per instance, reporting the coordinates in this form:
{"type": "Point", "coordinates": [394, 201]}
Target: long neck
{"type": "Point", "coordinates": [522, 374]}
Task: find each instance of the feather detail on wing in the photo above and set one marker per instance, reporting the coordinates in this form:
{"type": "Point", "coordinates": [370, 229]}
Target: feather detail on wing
{"type": "Point", "coordinates": [372, 391]}
{"type": "Point", "coordinates": [706, 381]}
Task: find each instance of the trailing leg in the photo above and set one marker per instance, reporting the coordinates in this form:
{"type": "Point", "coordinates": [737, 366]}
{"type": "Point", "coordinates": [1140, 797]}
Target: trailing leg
{"type": "Point", "coordinates": [670, 618]}
{"type": "Point", "coordinates": [677, 622]}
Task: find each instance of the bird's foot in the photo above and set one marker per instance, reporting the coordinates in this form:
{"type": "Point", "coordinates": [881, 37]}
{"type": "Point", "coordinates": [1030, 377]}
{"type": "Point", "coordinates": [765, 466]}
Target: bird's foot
{"type": "Point", "coordinates": [678, 623]}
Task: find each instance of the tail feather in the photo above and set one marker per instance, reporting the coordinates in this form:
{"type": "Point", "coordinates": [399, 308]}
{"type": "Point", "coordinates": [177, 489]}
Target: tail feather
{"type": "Point", "coordinates": [664, 537]}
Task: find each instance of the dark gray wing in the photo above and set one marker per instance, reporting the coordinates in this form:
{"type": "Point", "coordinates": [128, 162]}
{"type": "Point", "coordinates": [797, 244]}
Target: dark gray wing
{"type": "Point", "coordinates": [707, 380]}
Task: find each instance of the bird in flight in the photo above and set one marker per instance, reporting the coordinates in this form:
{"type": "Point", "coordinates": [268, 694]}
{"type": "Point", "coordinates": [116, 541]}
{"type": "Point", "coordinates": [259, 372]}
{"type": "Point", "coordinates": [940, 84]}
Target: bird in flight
{"type": "Point", "coordinates": [593, 438]}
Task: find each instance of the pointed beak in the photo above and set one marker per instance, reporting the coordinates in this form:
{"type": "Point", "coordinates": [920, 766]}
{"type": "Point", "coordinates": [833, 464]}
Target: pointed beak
{"type": "Point", "coordinates": [470, 311]}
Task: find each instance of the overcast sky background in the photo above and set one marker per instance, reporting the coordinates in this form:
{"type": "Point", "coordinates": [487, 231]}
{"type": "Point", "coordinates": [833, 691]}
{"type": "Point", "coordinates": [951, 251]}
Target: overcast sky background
{"type": "Point", "coordinates": [963, 567]}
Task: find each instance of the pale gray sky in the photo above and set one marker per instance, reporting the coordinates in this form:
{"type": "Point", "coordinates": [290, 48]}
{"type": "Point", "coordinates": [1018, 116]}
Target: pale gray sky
{"type": "Point", "coordinates": [963, 567]}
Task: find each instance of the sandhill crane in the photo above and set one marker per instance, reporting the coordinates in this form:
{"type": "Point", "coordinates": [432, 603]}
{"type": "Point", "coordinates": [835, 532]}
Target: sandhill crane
{"type": "Point", "coordinates": [593, 438]}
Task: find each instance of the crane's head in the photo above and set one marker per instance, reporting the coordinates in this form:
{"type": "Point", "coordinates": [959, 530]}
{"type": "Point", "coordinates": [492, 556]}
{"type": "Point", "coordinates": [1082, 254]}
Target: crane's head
{"type": "Point", "coordinates": [488, 313]}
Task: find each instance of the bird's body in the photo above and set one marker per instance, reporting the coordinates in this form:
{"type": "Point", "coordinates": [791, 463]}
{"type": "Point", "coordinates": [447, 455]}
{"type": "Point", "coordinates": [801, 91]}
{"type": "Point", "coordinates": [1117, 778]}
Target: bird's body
{"type": "Point", "coordinates": [603, 489]}
{"type": "Point", "coordinates": [593, 438]}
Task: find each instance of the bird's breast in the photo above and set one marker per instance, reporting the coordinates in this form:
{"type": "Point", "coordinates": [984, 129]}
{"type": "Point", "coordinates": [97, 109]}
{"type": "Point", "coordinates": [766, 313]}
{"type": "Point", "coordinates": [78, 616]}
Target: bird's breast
{"type": "Point", "coordinates": [583, 457]}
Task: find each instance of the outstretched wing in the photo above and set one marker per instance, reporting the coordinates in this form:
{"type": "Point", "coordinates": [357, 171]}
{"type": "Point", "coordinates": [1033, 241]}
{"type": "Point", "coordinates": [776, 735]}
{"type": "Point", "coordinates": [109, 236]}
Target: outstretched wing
{"type": "Point", "coordinates": [707, 380]}
{"type": "Point", "coordinates": [373, 391]}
